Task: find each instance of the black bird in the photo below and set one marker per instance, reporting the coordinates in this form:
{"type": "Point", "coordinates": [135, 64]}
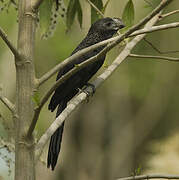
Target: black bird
{"type": "Point", "coordinates": [101, 30]}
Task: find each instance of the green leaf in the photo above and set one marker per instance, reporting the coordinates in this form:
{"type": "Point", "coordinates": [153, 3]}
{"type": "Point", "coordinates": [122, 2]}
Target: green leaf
{"type": "Point", "coordinates": [71, 10]}
{"type": "Point", "coordinates": [138, 170]}
{"type": "Point", "coordinates": [128, 14]}
{"type": "Point", "coordinates": [79, 12]}
{"type": "Point", "coordinates": [94, 14]}
{"type": "Point", "coordinates": [45, 14]}
{"type": "Point", "coordinates": [105, 65]}
{"type": "Point", "coordinates": [36, 98]}
{"type": "Point", "coordinates": [76, 65]}
{"type": "Point", "coordinates": [5, 5]}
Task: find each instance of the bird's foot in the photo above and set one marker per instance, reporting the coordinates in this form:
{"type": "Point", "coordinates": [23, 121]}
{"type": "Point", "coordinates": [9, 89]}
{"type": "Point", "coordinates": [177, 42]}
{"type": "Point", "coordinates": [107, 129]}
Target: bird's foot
{"type": "Point", "coordinates": [88, 93]}
{"type": "Point", "coordinates": [92, 87]}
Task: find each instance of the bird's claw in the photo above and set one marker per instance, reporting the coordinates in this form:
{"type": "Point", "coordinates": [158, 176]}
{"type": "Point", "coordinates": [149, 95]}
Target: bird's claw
{"type": "Point", "coordinates": [88, 93]}
{"type": "Point", "coordinates": [92, 87]}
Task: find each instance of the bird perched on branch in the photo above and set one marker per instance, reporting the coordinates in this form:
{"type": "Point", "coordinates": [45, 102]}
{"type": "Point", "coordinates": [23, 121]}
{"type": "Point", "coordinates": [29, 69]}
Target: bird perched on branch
{"type": "Point", "coordinates": [101, 30]}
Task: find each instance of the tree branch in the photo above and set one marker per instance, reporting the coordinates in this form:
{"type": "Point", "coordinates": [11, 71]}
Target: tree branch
{"type": "Point", "coordinates": [149, 3]}
{"type": "Point", "coordinates": [7, 102]}
{"type": "Point", "coordinates": [70, 59]}
{"type": "Point", "coordinates": [155, 57]}
{"type": "Point", "coordinates": [115, 40]}
{"type": "Point", "coordinates": [97, 10]}
{"type": "Point", "coordinates": [150, 176]}
{"type": "Point", "coordinates": [169, 14]}
{"type": "Point", "coordinates": [36, 4]}
{"type": "Point", "coordinates": [9, 44]}
{"type": "Point", "coordinates": [155, 28]}
{"type": "Point", "coordinates": [84, 64]}
{"type": "Point", "coordinates": [157, 50]}
{"type": "Point", "coordinates": [82, 96]}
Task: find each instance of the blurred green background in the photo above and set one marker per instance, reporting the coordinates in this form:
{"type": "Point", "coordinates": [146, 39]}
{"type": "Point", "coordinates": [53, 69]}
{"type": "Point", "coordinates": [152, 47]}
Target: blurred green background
{"type": "Point", "coordinates": [130, 124]}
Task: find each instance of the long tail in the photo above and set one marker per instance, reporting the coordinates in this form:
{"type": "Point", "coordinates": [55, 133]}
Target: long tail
{"type": "Point", "coordinates": [55, 141]}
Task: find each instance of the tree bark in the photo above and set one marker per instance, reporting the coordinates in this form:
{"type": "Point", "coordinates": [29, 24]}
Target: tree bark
{"type": "Point", "coordinates": [25, 77]}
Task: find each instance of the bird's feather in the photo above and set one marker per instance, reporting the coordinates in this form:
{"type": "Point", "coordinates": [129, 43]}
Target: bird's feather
{"type": "Point", "coordinates": [101, 30]}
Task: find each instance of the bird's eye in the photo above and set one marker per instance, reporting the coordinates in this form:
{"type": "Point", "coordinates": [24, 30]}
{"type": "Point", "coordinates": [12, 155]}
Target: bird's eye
{"type": "Point", "coordinates": [108, 24]}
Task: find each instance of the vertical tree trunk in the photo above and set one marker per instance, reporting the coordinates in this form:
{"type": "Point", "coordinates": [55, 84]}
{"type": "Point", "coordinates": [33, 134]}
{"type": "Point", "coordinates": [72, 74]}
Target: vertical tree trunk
{"type": "Point", "coordinates": [24, 153]}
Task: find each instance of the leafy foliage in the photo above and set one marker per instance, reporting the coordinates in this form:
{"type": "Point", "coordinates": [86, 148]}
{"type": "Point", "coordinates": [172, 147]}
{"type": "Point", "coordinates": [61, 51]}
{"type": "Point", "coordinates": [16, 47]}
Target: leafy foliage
{"type": "Point", "coordinates": [79, 13]}
{"type": "Point", "coordinates": [71, 11]}
{"type": "Point", "coordinates": [128, 14]}
{"type": "Point", "coordinates": [6, 4]}
{"type": "Point", "coordinates": [45, 14]}
{"type": "Point", "coordinates": [49, 14]}
{"type": "Point", "coordinates": [74, 7]}
{"type": "Point", "coordinates": [94, 14]}
{"type": "Point", "coordinates": [48, 18]}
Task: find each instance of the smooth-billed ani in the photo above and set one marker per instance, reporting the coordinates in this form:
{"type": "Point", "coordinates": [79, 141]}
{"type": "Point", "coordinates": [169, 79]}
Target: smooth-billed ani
{"type": "Point", "coordinates": [101, 30]}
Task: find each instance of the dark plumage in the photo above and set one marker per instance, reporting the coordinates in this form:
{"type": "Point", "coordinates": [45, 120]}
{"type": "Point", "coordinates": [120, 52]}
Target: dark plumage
{"type": "Point", "coordinates": [101, 30]}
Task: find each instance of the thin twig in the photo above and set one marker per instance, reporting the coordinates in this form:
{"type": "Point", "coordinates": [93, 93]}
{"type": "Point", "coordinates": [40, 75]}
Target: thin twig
{"type": "Point", "coordinates": [149, 3]}
{"type": "Point", "coordinates": [156, 49]}
{"type": "Point", "coordinates": [4, 123]}
{"type": "Point", "coordinates": [82, 96]}
{"type": "Point", "coordinates": [87, 62]}
{"type": "Point", "coordinates": [155, 57]}
{"type": "Point", "coordinates": [169, 14]}
{"type": "Point", "coordinates": [7, 102]}
{"type": "Point", "coordinates": [53, 88]}
{"type": "Point", "coordinates": [49, 74]}
{"type": "Point", "coordinates": [97, 10]}
{"type": "Point", "coordinates": [155, 28]}
{"type": "Point", "coordinates": [105, 5]}
{"type": "Point", "coordinates": [150, 176]}
{"type": "Point", "coordinates": [9, 44]}
{"type": "Point", "coordinates": [93, 5]}
{"type": "Point", "coordinates": [70, 59]}
{"type": "Point", "coordinates": [77, 68]}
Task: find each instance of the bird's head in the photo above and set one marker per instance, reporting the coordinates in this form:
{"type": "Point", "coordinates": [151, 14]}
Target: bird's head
{"type": "Point", "coordinates": [107, 25]}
